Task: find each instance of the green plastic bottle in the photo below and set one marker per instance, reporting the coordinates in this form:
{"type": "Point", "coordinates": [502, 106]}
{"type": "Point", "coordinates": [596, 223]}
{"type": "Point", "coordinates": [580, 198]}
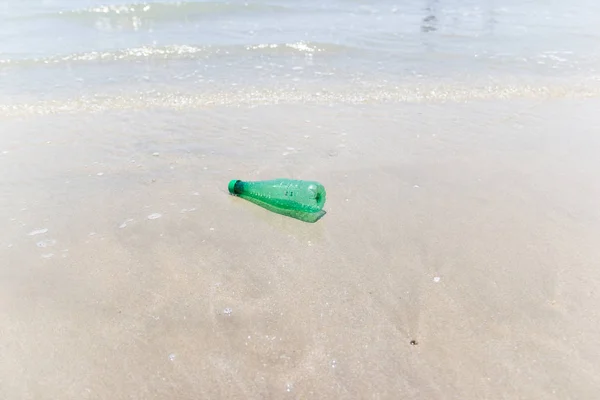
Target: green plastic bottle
{"type": "Point", "coordinates": [303, 200]}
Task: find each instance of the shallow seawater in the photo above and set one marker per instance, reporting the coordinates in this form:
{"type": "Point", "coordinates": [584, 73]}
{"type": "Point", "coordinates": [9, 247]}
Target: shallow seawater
{"type": "Point", "coordinates": [227, 52]}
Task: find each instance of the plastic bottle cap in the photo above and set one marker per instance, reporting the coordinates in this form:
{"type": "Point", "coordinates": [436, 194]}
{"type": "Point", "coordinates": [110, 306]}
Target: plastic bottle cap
{"type": "Point", "coordinates": [231, 186]}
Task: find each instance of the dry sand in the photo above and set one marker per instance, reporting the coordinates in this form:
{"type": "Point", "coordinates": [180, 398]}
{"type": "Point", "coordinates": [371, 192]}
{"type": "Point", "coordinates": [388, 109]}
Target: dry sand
{"type": "Point", "coordinates": [470, 229]}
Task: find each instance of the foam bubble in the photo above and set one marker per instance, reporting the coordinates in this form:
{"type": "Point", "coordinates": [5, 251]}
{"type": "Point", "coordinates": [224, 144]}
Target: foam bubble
{"type": "Point", "coordinates": [154, 216]}
{"type": "Point", "coordinates": [124, 224]}
{"type": "Point", "coordinates": [38, 232]}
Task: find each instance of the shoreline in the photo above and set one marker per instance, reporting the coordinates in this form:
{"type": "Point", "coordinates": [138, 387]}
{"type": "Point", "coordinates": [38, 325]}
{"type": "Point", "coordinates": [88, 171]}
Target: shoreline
{"type": "Point", "coordinates": [327, 93]}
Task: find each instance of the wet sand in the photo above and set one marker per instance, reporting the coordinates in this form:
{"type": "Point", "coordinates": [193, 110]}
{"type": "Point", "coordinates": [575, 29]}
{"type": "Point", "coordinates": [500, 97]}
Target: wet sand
{"type": "Point", "coordinates": [469, 230]}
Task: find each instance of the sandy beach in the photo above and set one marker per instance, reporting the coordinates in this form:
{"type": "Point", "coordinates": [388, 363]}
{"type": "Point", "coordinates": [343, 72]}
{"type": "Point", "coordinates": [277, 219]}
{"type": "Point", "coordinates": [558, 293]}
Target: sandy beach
{"type": "Point", "coordinates": [458, 258]}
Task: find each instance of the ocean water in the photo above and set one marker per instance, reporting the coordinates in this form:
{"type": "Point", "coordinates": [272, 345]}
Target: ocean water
{"type": "Point", "coordinates": [96, 54]}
